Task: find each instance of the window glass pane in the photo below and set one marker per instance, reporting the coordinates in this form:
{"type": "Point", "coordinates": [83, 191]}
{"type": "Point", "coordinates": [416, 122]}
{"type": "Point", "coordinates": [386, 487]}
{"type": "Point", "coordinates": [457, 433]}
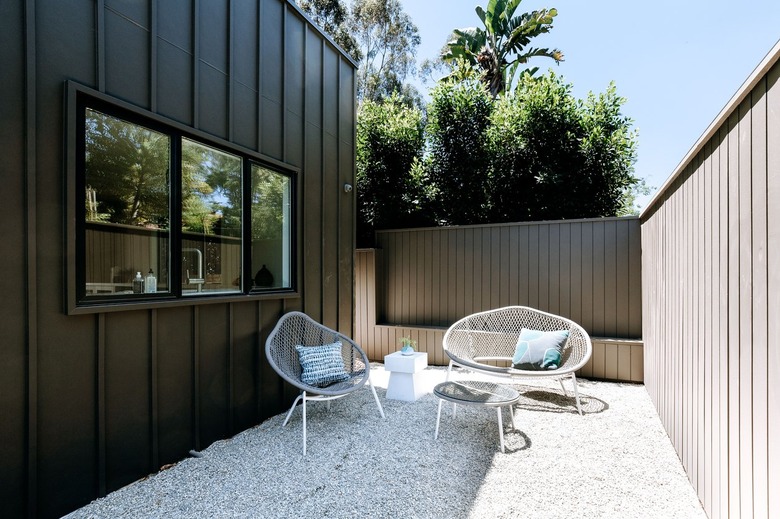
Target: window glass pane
{"type": "Point", "coordinates": [271, 229]}
{"type": "Point", "coordinates": [211, 220]}
{"type": "Point", "coordinates": [127, 206]}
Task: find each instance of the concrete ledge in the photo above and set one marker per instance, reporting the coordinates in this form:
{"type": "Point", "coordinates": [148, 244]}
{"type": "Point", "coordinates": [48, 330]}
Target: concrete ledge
{"type": "Point", "coordinates": [615, 359]}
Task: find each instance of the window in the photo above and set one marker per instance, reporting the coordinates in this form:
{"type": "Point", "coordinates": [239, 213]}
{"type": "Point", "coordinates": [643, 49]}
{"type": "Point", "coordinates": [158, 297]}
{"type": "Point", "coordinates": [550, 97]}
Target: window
{"type": "Point", "coordinates": [210, 219]}
{"type": "Point", "coordinates": [270, 228]}
{"type": "Point", "coordinates": [163, 212]}
{"type": "Point", "coordinates": [127, 205]}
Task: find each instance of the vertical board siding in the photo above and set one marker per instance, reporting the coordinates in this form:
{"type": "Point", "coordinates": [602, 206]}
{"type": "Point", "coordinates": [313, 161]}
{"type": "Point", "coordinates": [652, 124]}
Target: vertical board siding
{"type": "Point", "coordinates": [581, 269]}
{"type": "Point", "coordinates": [422, 280]}
{"type": "Point", "coordinates": [773, 287]}
{"type": "Point", "coordinates": [93, 402]}
{"type": "Point", "coordinates": [613, 359]}
{"type": "Point", "coordinates": [711, 296]}
{"type": "Point", "coordinates": [13, 357]}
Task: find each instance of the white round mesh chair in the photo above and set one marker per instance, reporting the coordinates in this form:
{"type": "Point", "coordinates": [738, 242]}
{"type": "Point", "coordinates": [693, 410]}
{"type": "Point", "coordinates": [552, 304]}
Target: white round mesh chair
{"type": "Point", "coordinates": [485, 342]}
{"type": "Point", "coordinates": [296, 329]}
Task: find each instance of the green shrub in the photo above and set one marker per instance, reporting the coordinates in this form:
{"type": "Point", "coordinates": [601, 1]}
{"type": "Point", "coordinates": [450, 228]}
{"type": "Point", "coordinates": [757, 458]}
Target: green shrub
{"type": "Point", "coordinates": [389, 143]}
{"type": "Point", "coordinates": [458, 161]}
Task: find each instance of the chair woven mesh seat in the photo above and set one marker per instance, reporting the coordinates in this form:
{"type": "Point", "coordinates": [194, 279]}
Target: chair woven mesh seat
{"type": "Point", "coordinates": [485, 342]}
{"type": "Point", "coordinates": [298, 329]}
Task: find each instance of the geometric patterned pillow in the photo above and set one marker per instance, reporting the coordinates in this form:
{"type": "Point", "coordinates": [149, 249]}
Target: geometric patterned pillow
{"type": "Point", "coordinates": [322, 365]}
{"type": "Point", "coordinates": [537, 350]}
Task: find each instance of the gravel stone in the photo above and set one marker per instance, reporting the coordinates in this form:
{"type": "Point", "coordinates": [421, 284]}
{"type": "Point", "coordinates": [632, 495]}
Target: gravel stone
{"type": "Point", "coordinates": [615, 461]}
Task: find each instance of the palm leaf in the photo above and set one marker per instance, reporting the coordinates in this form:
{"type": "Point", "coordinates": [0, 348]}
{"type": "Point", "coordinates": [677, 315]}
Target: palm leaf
{"type": "Point", "coordinates": [555, 54]}
{"type": "Point", "coordinates": [480, 13]}
{"type": "Point", "coordinates": [465, 43]}
{"type": "Point", "coordinates": [511, 7]}
{"type": "Point", "coordinates": [495, 9]}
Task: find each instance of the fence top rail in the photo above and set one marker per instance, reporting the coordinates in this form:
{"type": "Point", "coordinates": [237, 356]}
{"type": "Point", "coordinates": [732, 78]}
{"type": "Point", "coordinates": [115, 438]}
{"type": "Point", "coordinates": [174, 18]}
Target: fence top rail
{"type": "Point", "coordinates": [511, 224]}
{"type": "Point", "coordinates": [758, 73]}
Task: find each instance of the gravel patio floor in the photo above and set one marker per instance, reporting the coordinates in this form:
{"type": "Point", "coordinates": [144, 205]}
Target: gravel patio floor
{"type": "Point", "coordinates": [615, 461]}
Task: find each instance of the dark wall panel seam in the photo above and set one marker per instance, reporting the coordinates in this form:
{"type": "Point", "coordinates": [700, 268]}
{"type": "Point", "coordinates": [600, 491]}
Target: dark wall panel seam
{"type": "Point", "coordinates": [321, 254]}
{"type": "Point", "coordinates": [153, 57]}
{"type": "Point", "coordinates": [195, 63]}
{"type": "Point", "coordinates": [339, 208]}
{"type": "Point", "coordinates": [284, 82]}
{"type": "Point", "coordinates": [231, 67]}
{"type": "Point", "coordinates": [230, 368]}
{"type": "Point", "coordinates": [100, 34]}
{"type": "Point", "coordinates": [259, 76]}
{"type": "Point", "coordinates": [301, 272]}
{"type": "Point", "coordinates": [196, 377]}
{"type": "Point", "coordinates": [101, 403]}
{"type": "Point", "coordinates": [257, 368]}
{"type": "Point", "coordinates": [154, 393]}
{"type": "Point", "coordinates": [31, 284]}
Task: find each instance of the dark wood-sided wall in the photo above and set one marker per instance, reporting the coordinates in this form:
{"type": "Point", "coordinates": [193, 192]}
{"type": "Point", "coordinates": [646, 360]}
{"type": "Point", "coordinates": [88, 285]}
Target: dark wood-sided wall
{"type": "Point", "coordinates": [90, 403]}
{"type": "Point", "coordinates": [711, 303]}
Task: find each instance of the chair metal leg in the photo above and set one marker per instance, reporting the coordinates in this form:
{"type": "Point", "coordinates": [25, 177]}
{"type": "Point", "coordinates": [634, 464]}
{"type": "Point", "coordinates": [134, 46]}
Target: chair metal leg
{"type": "Point", "coordinates": [304, 423]}
{"type": "Point", "coordinates": [576, 393]}
{"type": "Point", "coordinates": [438, 418]}
{"type": "Point", "coordinates": [376, 398]}
{"type": "Point", "coordinates": [449, 369]}
{"type": "Point", "coordinates": [500, 429]}
{"type": "Point", "coordinates": [292, 408]}
{"type": "Point", "coordinates": [447, 379]}
{"type": "Point", "coordinates": [560, 380]}
{"type": "Point", "coordinates": [512, 415]}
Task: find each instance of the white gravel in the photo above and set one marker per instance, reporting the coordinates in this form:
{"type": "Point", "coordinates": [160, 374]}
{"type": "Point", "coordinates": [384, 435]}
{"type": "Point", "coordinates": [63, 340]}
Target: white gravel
{"type": "Point", "coordinates": [616, 461]}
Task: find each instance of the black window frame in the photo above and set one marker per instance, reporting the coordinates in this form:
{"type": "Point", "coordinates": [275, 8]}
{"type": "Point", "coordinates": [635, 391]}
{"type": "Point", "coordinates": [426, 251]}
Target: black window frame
{"type": "Point", "coordinates": [80, 98]}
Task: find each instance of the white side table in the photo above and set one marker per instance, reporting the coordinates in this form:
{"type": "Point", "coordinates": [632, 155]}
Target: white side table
{"type": "Point", "coordinates": [405, 383]}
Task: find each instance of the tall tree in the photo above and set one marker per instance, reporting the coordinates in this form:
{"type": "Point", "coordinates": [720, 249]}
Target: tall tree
{"type": "Point", "coordinates": [388, 41]}
{"type": "Point", "coordinates": [333, 17]}
{"type": "Point", "coordinates": [501, 46]}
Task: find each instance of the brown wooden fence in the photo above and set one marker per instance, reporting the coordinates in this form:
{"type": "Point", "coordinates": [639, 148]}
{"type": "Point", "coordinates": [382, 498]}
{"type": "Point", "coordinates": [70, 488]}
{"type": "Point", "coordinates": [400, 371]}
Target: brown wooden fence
{"type": "Point", "coordinates": [422, 280]}
{"type": "Point", "coordinates": [711, 264]}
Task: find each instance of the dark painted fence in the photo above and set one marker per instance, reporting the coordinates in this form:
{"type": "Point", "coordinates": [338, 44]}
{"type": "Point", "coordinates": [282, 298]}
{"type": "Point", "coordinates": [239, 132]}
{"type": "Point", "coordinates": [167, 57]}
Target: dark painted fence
{"type": "Point", "coordinates": [422, 280]}
{"type": "Point", "coordinates": [586, 270]}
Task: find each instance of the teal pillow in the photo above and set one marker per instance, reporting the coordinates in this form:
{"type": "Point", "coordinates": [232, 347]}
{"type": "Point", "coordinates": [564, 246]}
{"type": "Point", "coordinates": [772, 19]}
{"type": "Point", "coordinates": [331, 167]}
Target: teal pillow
{"type": "Point", "coordinates": [537, 350]}
{"type": "Point", "coordinates": [322, 365]}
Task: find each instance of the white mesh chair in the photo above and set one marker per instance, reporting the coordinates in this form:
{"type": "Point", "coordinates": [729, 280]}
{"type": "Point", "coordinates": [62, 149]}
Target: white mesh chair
{"type": "Point", "coordinates": [298, 329]}
{"type": "Point", "coordinates": [485, 343]}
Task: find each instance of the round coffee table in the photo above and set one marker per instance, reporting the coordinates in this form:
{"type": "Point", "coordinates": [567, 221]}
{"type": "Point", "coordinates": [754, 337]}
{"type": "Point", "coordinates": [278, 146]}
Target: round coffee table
{"type": "Point", "coordinates": [472, 392]}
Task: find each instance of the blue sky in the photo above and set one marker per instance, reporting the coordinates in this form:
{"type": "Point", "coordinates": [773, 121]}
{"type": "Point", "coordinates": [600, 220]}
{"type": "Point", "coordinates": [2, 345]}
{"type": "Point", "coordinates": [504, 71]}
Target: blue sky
{"type": "Point", "coordinates": [677, 62]}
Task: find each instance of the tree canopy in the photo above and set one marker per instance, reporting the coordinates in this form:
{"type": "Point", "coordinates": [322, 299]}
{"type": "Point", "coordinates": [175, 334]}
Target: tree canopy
{"type": "Point", "coordinates": [381, 38]}
{"type": "Point", "coordinates": [537, 153]}
{"type": "Point", "coordinates": [388, 40]}
{"type": "Point", "coordinates": [491, 145]}
{"type": "Point", "coordinates": [333, 17]}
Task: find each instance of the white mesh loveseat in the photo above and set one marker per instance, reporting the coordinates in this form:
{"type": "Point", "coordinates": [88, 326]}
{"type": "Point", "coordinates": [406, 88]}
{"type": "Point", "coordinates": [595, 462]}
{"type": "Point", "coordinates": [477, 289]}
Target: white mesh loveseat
{"type": "Point", "coordinates": [485, 342]}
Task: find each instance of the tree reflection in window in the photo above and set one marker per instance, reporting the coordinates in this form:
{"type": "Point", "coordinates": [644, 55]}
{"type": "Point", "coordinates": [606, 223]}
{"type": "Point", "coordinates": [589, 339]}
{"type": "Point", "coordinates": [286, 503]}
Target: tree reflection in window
{"type": "Point", "coordinates": [271, 228]}
{"type": "Point", "coordinates": [211, 219]}
{"type": "Point", "coordinates": [127, 197]}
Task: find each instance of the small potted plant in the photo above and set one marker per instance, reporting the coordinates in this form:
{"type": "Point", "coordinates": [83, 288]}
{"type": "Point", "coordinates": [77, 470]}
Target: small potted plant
{"type": "Point", "coordinates": [407, 345]}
